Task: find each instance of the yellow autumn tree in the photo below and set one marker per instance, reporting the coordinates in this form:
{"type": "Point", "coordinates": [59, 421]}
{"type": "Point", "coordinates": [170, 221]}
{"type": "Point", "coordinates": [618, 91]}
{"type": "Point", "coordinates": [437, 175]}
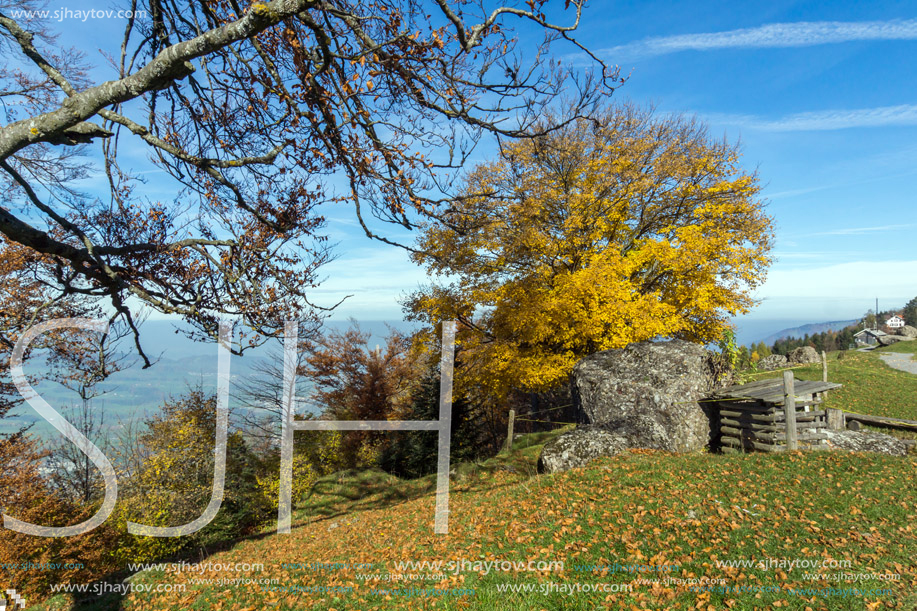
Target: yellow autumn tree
{"type": "Point", "coordinates": [167, 476]}
{"type": "Point", "coordinates": [602, 233]}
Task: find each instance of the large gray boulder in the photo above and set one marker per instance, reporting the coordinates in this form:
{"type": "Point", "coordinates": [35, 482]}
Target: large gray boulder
{"type": "Point", "coordinates": [888, 340]}
{"type": "Point", "coordinates": [648, 392]}
{"type": "Point", "coordinates": [862, 441]}
{"type": "Point", "coordinates": [578, 447]}
{"type": "Point", "coordinates": [771, 362]}
{"type": "Point", "coordinates": [908, 331]}
{"type": "Point", "coordinates": [803, 356]}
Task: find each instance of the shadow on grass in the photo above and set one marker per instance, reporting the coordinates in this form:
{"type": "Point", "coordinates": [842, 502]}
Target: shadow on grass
{"type": "Point", "coordinates": [373, 489]}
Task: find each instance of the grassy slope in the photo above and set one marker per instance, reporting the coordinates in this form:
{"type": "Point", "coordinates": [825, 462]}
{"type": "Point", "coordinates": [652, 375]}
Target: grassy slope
{"type": "Point", "coordinates": [905, 347]}
{"type": "Point", "coordinates": [639, 508]}
{"type": "Point", "coordinates": [647, 508]}
{"type": "Point", "coordinates": [870, 386]}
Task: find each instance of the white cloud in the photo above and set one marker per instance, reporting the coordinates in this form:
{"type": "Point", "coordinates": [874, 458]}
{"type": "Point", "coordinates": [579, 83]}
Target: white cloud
{"type": "Point", "coordinates": [800, 34]}
{"type": "Point", "coordinates": [783, 256]}
{"type": "Point", "coordinates": [821, 120]}
{"type": "Point", "coordinates": [374, 278]}
{"type": "Point", "coordinates": [866, 230]}
{"type": "Point", "coordinates": [859, 279]}
{"type": "Point", "coordinates": [883, 161]}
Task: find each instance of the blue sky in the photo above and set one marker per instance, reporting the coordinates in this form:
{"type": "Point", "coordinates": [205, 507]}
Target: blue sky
{"type": "Point", "coordinates": [822, 96]}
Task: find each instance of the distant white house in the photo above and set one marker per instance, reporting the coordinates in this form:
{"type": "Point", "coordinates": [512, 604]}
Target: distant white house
{"type": "Point", "coordinates": [868, 337]}
{"type": "Point", "coordinates": [895, 322]}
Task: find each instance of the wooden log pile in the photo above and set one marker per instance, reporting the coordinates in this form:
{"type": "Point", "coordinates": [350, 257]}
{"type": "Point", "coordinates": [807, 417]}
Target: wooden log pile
{"type": "Point", "coordinates": [773, 415]}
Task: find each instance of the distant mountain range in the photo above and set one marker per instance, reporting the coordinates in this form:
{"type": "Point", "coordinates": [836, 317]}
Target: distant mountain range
{"type": "Point", "coordinates": [802, 331]}
{"type": "Point", "coordinates": [180, 364]}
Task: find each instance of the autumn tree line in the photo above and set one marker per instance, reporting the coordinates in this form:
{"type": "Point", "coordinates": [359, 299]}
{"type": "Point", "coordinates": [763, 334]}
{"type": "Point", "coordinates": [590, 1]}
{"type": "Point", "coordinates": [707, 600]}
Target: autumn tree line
{"type": "Point", "coordinates": [592, 225]}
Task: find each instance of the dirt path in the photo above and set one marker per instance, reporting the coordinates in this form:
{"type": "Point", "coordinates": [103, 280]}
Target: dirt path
{"type": "Point", "coordinates": [900, 361]}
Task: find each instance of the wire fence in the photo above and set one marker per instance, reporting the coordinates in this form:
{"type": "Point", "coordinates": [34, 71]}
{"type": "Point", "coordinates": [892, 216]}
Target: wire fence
{"type": "Point", "coordinates": [544, 421]}
{"type": "Point", "coordinates": [552, 409]}
{"type": "Point", "coordinates": [544, 411]}
{"type": "Point", "coordinates": [761, 373]}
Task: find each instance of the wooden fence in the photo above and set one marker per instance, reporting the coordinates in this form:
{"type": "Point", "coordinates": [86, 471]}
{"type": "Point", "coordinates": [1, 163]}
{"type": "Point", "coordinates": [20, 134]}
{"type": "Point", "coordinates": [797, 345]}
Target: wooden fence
{"type": "Point", "coordinates": [773, 415]}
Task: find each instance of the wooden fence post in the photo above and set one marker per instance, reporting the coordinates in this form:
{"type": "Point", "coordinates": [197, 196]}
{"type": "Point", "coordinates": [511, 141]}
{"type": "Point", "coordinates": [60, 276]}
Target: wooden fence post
{"type": "Point", "coordinates": [509, 430]}
{"type": "Point", "coordinates": [824, 366]}
{"type": "Point", "coordinates": [789, 410]}
{"type": "Point", "coordinates": [835, 419]}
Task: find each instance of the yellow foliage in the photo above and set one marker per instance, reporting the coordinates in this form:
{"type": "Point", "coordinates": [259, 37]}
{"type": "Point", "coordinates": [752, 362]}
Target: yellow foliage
{"type": "Point", "coordinates": [329, 451]}
{"type": "Point", "coordinates": [590, 239]}
{"type": "Point", "coordinates": [173, 483]}
{"type": "Point", "coordinates": [304, 477]}
{"type": "Point", "coordinates": [167, 479]}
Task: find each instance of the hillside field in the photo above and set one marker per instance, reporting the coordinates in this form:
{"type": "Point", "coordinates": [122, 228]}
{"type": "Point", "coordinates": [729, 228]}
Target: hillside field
{"type": "Point", "coordinates": [646, 529]}
{"type": "Point", "coordinates": [639, 510]}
